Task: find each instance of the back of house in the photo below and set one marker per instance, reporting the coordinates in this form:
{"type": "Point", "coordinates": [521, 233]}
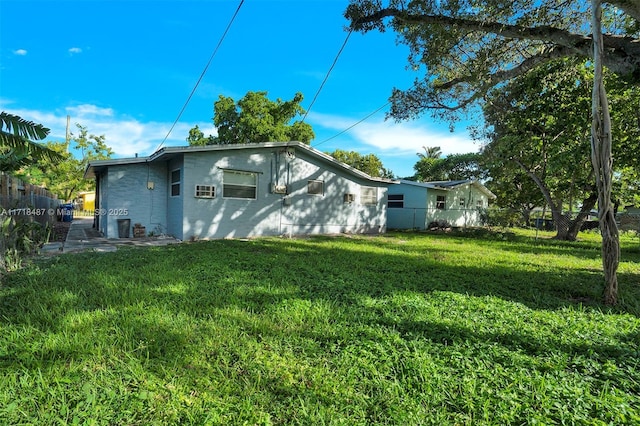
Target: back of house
{"type": "Point", "coordinates": [236, 191]}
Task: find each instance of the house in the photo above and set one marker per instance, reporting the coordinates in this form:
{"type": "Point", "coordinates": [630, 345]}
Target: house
{"type": "Point", "coordinates": [415, 205]}
{"type": "Point", "coordinates": [86, 200]}
{"type": "Point", "coordinates": [236, 191]}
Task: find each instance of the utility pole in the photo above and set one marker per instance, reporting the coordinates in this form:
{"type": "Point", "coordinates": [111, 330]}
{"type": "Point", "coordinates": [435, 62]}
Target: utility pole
{"type": "Point", "coordinates": [66, 139]}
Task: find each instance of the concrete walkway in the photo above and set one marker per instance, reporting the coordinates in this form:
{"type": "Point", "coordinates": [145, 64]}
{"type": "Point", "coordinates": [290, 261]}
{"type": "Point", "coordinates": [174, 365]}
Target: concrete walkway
{"type": "Point", "coordinates": [83, 237]}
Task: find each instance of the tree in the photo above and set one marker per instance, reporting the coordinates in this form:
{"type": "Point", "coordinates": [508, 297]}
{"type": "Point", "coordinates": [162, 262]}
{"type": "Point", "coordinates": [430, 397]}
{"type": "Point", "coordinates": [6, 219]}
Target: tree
{"type": "Point", "coordinates": [515, 191]}
{"type": "Point", "coordinates": [433, 152]}
{"type": "Point", "coordinates": [66, 178]}
{"type": "Point", "coordinates": [425, 165]}
{"type": "Point", "coordinates": [197, 138]}
{"type": "Point", "coordinates": [369, 164]}
{"type": "Point", "coordinates": [469, 47]}
{"type": "Point", "coordinates": [527, 131]}
{"type": "Point", "coordinates": [16, 148]}
{"type": "Point", "coordinates": [601, 160]}
{"type": "Point", "coordinates": [255, 119]}
{"type": "Point", "coordinates": [461, 167]}
{"type": "Point", "coordinates": [452, 167]}
{"type": "Point", "coordinates": [626, 188]}
{"type": "Point", "coordinates": [426, 169]}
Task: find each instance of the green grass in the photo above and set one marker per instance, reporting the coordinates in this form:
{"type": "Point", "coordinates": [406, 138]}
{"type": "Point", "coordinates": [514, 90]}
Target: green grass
{"type": "Point", "coordinates": [498, 328]}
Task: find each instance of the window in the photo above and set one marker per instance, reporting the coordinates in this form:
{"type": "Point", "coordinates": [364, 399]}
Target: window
{"type": "Point", "coordinates": [315, 187]}
{"type": "Point", "coordinates": [205, 191]}
{"type": "Point", "coordinates": [175, 183]}
{"type": "Point", "coordinates": [368, 196]}
{"type": "Point", "coordinates": [479, 204]}
{"type": "Point", "coordinates": [462, 203]}
{"type": "Point", "coordinates": [396, 201]}
{"type": "Point", "coordinates": [441, 202]}
{"type": "Point", "coordinates": [238, 184]}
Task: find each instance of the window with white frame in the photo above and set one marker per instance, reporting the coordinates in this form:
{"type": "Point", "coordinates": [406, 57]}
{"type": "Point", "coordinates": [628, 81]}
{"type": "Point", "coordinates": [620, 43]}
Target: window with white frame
{"type": "Point", "coordinates": [368, 195]}
{"type": "Point", "coordinates": [461, 203]}
{"type": "Point", "coordinates": [175, 183]}
{"type": "Point", "coordinates": [239, 184]}
{"type": "Point", "coordinates": [395, 201]}
{"type": "Point", "coordinates": [205, 191]}
{"type": "Point", "coordinates": [441, 202]}
{"type": "Point", "coordinates": [315, 187]}
{"type": "Point", "coordinates": [479, 204]}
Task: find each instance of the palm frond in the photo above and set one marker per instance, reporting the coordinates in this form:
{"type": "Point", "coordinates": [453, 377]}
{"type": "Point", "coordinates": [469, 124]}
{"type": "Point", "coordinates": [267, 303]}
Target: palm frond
{"type": "Point", "coordinates": [18, 126]}
{"type": "Point", "coordinates": [12, 160]}
{"type": "Point", "coordinates": [15, 134]}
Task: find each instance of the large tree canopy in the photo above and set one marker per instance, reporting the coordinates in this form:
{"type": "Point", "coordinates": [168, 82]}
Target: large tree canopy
{"type": "Point", "coordinates": [255, 118]}
{"type": "Point", "coordinates": [451, 167]}
{"type": "Point", "coordinates": [538, 123]}
{"type": "Point", "coordinates": [468, 47]}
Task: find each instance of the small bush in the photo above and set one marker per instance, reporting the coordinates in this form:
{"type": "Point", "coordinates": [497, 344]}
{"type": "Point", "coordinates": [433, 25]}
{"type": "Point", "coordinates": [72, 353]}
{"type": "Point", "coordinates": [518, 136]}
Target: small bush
{"type": "Point", "coordinates": [19, 237]}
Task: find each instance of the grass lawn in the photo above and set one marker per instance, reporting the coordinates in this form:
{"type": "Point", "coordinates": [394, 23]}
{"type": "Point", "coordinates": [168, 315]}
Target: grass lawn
{"type": "Point", "coordinates": [397, 329]}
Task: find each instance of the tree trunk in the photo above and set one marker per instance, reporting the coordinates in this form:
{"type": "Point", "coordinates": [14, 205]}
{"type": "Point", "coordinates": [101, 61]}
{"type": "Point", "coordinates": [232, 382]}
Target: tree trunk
{"type": "Point", "coordinates": [574, 225]}
{"type": "Point", "coordinates": [526, 216]}
{"type": "Point", "coordinates": [566, 229]}
{"type": "Point", "coordinates": [602, 163]}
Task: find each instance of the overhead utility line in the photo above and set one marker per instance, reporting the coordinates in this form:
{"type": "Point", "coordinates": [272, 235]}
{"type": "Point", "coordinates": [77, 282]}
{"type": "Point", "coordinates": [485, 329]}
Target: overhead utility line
{"type": "Point", "coordinates": [328, 73]}
{"type": "Point", "coordinates": [353, 125]}
{"type": "Point", "coordinates": [204, 71]}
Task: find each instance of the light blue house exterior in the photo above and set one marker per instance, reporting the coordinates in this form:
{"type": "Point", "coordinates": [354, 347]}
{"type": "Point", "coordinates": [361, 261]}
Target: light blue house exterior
{"type": "Point", "coordinates": [415, 205]}
{"type": "Point", "coordinates": [237, 191]}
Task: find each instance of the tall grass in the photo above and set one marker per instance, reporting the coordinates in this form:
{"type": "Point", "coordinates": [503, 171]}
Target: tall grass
{"type": "Point", "coordinates": [397, 329]}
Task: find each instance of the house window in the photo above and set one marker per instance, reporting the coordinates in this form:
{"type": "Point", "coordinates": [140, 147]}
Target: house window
{"type": "Point", "coordinates": [396, 201]}
{"type": "Point", "coordinates": [441, 202]}
{"type": "Point", "coordinates": [238, 184]}
{"type": "Point", "coordinates": [479, 204]}
{"type": "Point", "coordinates": [315, 187]}
{"type": "Point", "coordinates": [205, 191]}
{"type": "Point", "coordinates": [368, 196]}
{"type": "Point", "coordinates": [461, 203]}
{"type": "Point", "coordinates": [175, 183]}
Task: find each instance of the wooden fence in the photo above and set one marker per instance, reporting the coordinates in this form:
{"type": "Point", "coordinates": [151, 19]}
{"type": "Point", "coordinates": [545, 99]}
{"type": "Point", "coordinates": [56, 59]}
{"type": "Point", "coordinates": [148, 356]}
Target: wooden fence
{"type": "Point", "coordinates": [20, 198]}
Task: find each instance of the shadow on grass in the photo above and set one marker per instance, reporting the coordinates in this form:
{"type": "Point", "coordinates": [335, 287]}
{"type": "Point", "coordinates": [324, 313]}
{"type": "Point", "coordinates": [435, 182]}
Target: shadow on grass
{"type": "Point", "coordinates": [273, 321]}
{"type": "Point", "coordinates": [199, 280]}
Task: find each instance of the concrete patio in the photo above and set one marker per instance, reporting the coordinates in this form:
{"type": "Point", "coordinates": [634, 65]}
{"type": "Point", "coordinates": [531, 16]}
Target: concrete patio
{"type": "Point", "coordinates": [83, 237]}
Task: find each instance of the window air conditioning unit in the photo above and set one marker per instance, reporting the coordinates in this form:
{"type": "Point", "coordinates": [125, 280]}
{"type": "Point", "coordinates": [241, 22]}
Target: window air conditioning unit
{"type": "Point", "coordinates": [349, 198]}
{"type": "Point", "coordinates": [278, 189]}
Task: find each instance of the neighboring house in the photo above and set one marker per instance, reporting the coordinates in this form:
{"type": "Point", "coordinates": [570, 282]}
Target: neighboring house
{"type": "Point", "coordinates": [87, 200]}
{"type": "Point", "coordinates": [236, 191]}
{"type": "Point", "coordinates": [415, 205]}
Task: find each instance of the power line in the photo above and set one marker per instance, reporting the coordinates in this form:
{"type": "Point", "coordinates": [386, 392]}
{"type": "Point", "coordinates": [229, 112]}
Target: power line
{"type": "Point", "coordinates": [204, 71]}
{"type": "Point", "coordinates": [326, 77]}
{"type": "Point", "coordinates": [353, 125]}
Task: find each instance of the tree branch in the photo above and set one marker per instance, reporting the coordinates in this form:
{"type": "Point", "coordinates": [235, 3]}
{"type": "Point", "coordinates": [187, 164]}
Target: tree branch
{"type": "Point", "coordinates": [630, 7]}
{"type": "Point", "coordinates": [622, 54]}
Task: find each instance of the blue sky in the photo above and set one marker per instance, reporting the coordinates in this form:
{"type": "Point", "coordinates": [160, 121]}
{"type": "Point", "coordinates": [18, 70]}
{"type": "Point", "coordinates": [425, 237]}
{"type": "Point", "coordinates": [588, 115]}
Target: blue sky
{"type": "Point", "coordinates": [124, 69]}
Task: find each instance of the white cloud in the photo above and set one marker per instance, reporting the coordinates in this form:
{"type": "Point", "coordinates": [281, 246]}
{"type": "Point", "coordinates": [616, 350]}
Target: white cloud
{"type": "Point", "coordinates": [74, 50]}
{"type": "Point", "coordinates": [393, 138]}
{"type": "Point", "coordinates": [20, 52]}
{"type": "Point", "coordinates": [86, 110]}
{"type": "Point", "coordinates": [125, 135]}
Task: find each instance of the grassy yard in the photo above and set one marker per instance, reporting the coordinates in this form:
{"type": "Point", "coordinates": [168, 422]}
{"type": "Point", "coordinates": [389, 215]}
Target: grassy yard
{"type": "Point", "coordinates": [397, 329]}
